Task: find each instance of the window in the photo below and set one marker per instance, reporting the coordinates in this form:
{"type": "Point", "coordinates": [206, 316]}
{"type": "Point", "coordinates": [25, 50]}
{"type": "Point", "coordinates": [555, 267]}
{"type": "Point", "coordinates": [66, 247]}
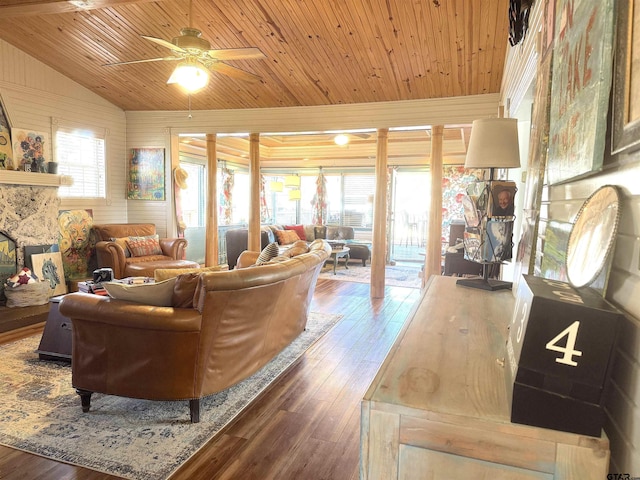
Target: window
{"type": "Point", "coordinates": [358, 200]}
{"type": "Point", "coordinates": [81, 155]}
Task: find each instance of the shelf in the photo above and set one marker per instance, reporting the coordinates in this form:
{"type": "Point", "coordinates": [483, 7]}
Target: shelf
{"type": "Point", "coordinates": [14, 177]}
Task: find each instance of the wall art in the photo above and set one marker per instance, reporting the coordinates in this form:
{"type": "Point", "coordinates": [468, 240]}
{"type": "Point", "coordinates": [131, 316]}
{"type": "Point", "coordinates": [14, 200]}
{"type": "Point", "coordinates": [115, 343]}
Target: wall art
{"type": "Point", "coordinates": [6, 147]}
{"type": "Point", "coordinates": [581, 83]}
{"type": "Point", "coordinates": [48, 267]}
{"type": "Point", "coordinates": [30, 150]}
{"type": "Point", "coordinates": [146, 174]}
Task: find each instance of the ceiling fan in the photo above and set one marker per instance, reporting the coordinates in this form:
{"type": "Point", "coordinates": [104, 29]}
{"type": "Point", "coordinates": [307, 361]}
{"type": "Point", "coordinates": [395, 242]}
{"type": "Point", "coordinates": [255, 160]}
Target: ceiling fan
{"type": "Point", "coordinates": [194, 53]}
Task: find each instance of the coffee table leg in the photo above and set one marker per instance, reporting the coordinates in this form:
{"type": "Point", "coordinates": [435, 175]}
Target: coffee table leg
{"type": "Point", "coordinates": [346, 261]}
{"type": "Point", "coordinates": [335, 261]}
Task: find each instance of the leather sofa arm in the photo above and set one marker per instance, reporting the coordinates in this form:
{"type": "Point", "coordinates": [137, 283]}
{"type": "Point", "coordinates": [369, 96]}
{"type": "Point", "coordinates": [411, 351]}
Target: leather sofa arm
{"type": "Point", "coordinates": [111, 255]}
{"type": "Point", "coordinates": [247, 258]}
{"type": "Point", "coordinates": [92, 308]}
{"type": "Point", "coordinates": [174, 247]}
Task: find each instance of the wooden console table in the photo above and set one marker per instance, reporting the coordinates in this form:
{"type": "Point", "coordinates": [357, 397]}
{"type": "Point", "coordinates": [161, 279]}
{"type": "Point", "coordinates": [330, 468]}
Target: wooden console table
{"type": "Point", "coordinates": [438, 406]}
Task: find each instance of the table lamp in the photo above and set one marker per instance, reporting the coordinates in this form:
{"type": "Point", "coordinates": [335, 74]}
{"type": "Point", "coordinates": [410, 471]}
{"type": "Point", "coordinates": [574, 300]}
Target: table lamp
{"type": "Point", "coordinates": [489, 205]}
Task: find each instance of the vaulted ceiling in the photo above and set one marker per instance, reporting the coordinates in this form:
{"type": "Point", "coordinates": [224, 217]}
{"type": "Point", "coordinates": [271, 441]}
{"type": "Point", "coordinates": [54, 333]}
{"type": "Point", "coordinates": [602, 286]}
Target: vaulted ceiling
{"type": "Point", "coordinates": [318, 52]}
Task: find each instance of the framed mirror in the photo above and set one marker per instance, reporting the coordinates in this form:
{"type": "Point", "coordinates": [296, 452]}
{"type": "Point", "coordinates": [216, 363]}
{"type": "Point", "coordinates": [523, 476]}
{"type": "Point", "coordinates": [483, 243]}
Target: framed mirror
{"type": "Point", "coordinates": [593, 236]}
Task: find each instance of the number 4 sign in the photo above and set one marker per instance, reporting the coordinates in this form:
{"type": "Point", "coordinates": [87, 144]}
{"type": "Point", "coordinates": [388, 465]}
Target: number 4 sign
{"type": "Point", "coordinates": [559, 355]}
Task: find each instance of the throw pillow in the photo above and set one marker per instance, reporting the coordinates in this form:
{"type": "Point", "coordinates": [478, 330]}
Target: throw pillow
{"type": "Point", "coordinates": [144, 247]}
{"type": "Point", "coordinates": [320, 231]}
{"type": "Point", "coordinates": [299, 229]}
{"type": "Point", "coordinates": [159, 294]}
{"type": "Point", "coordinates": [184, 290]}
{"type": "Point", "coordinates": [298, 248]}
{"type": "Point", "coordinates": [267, 253]}
{"type": "Point", "coordinates": [285, 237]}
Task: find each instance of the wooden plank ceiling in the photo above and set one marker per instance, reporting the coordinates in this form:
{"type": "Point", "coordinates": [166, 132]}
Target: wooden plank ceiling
{"type": "Point", "coordinates": [318, 52]}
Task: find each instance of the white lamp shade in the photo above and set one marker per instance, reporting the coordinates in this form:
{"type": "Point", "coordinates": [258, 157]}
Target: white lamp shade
{"type": "Point", "coordinates": [294, 195]}
{"type": "Point", "coordinates": [190, 76]}
{"type": "Point", "coordinates": [493, 144]}
{"type": "Point", "coordinates": [292, 181]}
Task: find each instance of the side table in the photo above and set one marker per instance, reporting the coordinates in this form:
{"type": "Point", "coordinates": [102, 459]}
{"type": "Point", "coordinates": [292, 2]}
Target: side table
{"type": "Point", "coordinates": [55, 343]}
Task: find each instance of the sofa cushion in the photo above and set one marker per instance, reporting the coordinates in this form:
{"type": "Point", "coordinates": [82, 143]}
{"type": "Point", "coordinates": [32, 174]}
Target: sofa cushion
{"type": "Point", "coordinates": [319, 231]}
{"type": "Point", "coordinates": [267, 253]}
{"type": "Point", "coordinates": [184, 290]}
{"type": "Point", "coordinates": [299, 229]}
{"type": "Point", "coordinates": [143, 247]}
{"type": "Point", "coordinates": [164, 273]}
{"type": "Point", "coordinates": [298, 248]}
{"type": "Point", "coordinates": [159, 294]}
{"type": "Point", "coordinates": [285, 237]}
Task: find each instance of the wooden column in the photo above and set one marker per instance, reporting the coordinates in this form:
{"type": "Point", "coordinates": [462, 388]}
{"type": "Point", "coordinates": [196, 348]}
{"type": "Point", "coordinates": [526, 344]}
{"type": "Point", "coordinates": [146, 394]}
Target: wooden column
{"type": "Point", "coordinates": [211, 257]}
{"type": "Point", "coordinates": [254, 205]}
{"type": "Point", "coordinates": [380, 217]}
{"type": "Point", "coordinates": [433, 257]}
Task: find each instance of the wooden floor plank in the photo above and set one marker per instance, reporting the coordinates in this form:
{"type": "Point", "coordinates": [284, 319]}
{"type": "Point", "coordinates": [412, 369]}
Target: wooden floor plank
{"type": "Point", "coordinates": [306, 425]}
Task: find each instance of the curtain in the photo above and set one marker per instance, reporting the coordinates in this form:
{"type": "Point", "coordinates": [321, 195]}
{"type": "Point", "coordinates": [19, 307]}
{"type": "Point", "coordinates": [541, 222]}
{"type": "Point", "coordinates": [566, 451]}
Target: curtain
{"type": "Point", "coordinates": [319, 201]}
{"type": "Point", "coordinates": [265, 217]}
{"type": "Point", "coordinates": [226, 203]}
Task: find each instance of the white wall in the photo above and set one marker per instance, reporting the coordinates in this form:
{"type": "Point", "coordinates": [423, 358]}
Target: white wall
{"type": "Point", "coordinates": [34, 95]}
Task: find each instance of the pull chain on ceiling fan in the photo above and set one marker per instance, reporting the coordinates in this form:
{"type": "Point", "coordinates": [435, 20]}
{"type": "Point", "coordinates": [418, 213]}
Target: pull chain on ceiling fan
{"type": "Point", "coordinates": [196, 58]}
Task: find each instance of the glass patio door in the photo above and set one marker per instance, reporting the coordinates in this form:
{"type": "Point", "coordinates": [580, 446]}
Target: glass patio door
{"type": "Point", "coordinates": [410, 206]}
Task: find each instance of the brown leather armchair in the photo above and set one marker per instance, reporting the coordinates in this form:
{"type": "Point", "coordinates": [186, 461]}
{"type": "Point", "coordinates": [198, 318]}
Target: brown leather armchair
{"type": "Point", "coordinates": [241, 319]}
{"type": "Point", "coordinates": [111, 253]}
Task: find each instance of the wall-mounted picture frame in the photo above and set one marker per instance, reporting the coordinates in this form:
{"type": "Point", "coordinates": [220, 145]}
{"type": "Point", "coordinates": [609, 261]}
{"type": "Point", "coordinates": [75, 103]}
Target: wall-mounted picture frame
{"type": "Point", "coordinates": [581, 84]}
{"type": "Point", "coordinates": [6, 147]}
{"type": "Point", "coordinates": [30, 150]}
{"type": "Point", "coordinates": [626, 81]}
{"type": "Point", "coordinates": [146, 179]}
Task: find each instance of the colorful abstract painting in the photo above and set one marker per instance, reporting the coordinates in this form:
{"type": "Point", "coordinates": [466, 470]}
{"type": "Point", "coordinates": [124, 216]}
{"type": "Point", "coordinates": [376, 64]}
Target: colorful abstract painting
{"type": "Point", "coordinates": [455, 179]}
{"type": "Point", "coordinates": [30, 150]}
{"type": "Point", "coordinates": [146, 174]}
{"type": "Point", "coordinates": [77, 243]}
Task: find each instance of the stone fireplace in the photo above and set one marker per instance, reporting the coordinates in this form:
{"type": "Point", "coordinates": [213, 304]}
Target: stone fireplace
{"type": "Point", "coordinates": [29, 212]}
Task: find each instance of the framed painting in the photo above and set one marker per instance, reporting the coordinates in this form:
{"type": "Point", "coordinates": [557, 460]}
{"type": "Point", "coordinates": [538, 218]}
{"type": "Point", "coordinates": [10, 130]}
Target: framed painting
{"type": "Point", "coordinates": [554, 259]}
{"type": "Point", "coordinates": [581, 83]}
{"type": "Point", "coordinates": [30, 250]}
{"type": "Point", "coordinates": [146, 174]}
{"type": "Point", "coordinates": [626, 105]}
{"type": "Point", "coordinates": [30, 150]}
{"type": "Point", "coordinates": [6, 147]}
{"type": "Point", "coordinates": [48, 267]}
{"type": "Point", "coordinates": [8, 261]}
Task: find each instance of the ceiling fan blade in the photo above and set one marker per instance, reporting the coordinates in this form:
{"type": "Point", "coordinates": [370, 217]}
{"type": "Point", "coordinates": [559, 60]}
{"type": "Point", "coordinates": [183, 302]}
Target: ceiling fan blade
{"type": "Point", "coordinates": [234, 72]}
{"type": "Point", "coordinates": [250, 53]}
{"type": "Point", "coordinates": [164, 43]}
{"type": "Point", "coordinates": [141, 61]}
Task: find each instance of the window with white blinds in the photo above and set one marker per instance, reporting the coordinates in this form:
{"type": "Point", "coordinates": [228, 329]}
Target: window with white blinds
{"type": "Point", "coordinates": [357, 197]}
{"type": "Point", "coordinates": [82, 157]}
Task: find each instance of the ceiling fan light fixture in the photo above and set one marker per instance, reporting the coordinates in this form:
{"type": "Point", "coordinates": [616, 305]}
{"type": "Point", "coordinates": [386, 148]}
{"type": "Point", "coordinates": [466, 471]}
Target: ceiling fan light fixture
{"type": "Point", "coordinates": [190, 76]}
{"type": "Point", "coordinates": [341, 139]}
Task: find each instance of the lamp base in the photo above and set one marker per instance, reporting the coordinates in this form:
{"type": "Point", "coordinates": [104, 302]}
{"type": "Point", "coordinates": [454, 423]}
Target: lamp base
{"type": "Point", "coordinates": [485, 283]}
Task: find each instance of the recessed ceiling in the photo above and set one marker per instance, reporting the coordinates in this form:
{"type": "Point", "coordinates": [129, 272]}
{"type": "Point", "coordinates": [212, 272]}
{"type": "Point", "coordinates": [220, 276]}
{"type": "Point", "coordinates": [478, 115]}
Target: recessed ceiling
{"type": "Point", "coordinates": [318, 52]}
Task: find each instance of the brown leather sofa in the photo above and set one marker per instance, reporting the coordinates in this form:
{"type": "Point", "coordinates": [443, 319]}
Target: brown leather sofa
{"type": "Point", "coordinates": [240, 320]}
{"type": "Point", "coordinates": [111, 253]}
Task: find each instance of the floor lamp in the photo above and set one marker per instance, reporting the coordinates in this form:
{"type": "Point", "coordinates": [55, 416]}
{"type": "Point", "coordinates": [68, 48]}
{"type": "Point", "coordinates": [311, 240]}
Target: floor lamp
{"type": "Point", "coordinates": [489, 205]}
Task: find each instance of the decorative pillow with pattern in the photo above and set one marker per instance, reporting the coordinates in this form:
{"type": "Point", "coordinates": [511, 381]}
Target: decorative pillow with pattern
{"type": "Point", "coordinates": [285, 237]}
{"type": "Point", "coordinates": [267, 253]}
{"type": "Point", "coordinates": [144, 247]}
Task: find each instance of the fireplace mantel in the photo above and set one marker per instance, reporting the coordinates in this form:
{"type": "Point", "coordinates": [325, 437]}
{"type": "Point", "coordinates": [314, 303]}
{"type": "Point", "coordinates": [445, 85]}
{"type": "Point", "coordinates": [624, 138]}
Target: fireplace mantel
{"type": "Point", "coordinates": [14, 177]}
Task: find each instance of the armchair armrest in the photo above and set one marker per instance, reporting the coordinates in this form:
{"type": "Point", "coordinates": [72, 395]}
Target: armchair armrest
{"type": "Point", "coordinates": [111, 255]}
{"type": "Point", "coordinates": [173, 247]}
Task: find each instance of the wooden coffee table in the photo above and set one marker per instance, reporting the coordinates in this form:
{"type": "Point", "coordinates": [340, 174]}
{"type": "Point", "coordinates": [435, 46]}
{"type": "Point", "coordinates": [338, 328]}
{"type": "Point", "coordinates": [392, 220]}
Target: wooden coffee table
{"type": "Point", "coordinates": [340, 253]}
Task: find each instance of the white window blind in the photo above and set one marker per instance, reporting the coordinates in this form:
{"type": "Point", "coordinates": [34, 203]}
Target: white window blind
{"type": "Point", "coordinates": [357, 193]}
{"type": "Point", "coordinates": [82, 157]}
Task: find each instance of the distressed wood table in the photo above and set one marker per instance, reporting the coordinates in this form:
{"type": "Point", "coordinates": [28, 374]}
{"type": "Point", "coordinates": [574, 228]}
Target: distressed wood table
{"type": "Point", "coordinates": [438, 406]}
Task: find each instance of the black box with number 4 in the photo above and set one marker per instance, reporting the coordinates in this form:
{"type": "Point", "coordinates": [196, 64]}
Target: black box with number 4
{"type": "Point", "coordinates": [559, 356]}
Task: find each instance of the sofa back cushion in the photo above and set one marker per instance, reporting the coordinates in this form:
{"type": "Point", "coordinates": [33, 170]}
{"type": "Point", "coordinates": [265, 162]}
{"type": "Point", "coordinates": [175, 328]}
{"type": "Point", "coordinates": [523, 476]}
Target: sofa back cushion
{"type": "Point", "coordinates": [107, 231]}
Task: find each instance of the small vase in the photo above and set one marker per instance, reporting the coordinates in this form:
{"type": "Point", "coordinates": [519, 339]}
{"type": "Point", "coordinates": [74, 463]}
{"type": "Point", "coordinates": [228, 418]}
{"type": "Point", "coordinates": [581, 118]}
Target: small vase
{"type": "Point", "coordinates": [52, 167]}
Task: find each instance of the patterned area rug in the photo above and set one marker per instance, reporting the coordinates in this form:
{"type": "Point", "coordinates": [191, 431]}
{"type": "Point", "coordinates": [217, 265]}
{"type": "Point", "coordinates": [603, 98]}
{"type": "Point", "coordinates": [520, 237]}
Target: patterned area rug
{"type": "Point", "coordinates": [40, 413]}
{"type": "Point", "coordinates": [396, 276]}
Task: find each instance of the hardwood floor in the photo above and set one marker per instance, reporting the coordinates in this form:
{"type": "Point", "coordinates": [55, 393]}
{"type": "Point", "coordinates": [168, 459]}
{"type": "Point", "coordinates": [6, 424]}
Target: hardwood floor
{"type": "Point", "coordinates": [307, 425]}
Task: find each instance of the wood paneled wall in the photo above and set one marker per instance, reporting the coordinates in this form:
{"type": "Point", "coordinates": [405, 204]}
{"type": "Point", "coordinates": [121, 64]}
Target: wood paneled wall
{"type": "Point", "coordinates": [562, 203]}
{"type": "Point", "coordinates": [35, 94]}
